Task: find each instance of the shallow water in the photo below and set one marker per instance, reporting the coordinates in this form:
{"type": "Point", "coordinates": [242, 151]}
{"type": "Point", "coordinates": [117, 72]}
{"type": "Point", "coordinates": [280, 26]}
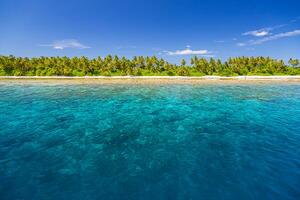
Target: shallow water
{"type": "Point", "coordinates": [149, 142]}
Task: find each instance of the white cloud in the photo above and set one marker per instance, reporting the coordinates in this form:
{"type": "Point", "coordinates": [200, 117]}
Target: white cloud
{"type": "Point", "coordinates": [295, 20]}
{"type": "Point", "coordinates": [263, 32]}
{"type": "Point", "coordinates": [277, 36]}
{"type": "Point", "coordinates": [241, 44]}
{"type": "Point", "coordinates": [259, 33]}
{"type": "Point", "coordinates": [271, 38]}
{"type": "Point", "coordinates": [64, 44]}
{"type": "Point", "coordinates": [188, 51]}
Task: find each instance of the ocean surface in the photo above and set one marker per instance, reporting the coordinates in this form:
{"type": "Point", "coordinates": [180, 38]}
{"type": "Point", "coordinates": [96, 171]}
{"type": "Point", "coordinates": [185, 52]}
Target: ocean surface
{"type": "Point", "coordinates": [85, 142]}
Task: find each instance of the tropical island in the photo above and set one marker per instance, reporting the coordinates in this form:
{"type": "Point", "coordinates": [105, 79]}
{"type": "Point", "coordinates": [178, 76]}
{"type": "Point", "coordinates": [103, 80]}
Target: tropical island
{"type": "Point", "coordinates": [153, 99]}
{"type": "Point", "coordinates": [144, 66]}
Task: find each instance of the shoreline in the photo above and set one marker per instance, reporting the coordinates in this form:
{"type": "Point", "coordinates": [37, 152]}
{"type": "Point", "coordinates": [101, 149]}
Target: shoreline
{"type": "Point", "coordinates": [283, 77]}
{"type": "Point", "coordinates": [139, 80]}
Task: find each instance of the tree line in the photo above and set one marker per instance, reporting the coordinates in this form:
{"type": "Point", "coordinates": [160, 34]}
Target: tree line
{"type": "Point", "coordinates": [144, 66]}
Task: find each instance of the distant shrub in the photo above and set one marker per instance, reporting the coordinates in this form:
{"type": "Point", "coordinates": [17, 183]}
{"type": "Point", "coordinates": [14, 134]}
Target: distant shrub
{"type": "Point", "coordinates": [144, 66]}
{"type": "Point", "coordinates": [183, 71]}
{"type": "Point", "coordinates": [170, 73]}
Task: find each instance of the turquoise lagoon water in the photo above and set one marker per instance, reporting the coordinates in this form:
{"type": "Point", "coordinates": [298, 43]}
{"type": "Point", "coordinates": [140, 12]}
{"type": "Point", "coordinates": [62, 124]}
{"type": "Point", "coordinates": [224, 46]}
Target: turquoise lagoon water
{"type": "Point", "coordinates": [149, 142]}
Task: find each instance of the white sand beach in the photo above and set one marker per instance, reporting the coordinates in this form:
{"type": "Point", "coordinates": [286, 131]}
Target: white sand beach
{"type": "Point", "coordinates": [148, 79]}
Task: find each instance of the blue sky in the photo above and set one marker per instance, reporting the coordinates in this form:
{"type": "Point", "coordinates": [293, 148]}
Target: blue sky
{"type": "Point", "coordinates": [171, 29]}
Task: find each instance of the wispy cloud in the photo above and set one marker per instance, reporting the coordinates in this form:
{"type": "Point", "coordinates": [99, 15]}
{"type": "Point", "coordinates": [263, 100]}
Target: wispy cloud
{"type": "Point", "coordinates": [277, 36]}
{"type": "Point", "coordinates": [241, 44]}
{"type": "Point", "coordinates": [65, 44]}
{"type": "Point", "coordinates": [271, 38]}
{"type": "Point", "coordinates": [295, 19]}
{"type": "Point", "coordinates": [258, 33]}
{"type": "Point", "coordinates": [188, 51]}
{"type": "Point", "coordinates": [263, 31]}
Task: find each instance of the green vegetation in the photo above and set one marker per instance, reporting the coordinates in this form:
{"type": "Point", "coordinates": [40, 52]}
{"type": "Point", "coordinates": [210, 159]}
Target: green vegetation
{"type": "Point", "coordinates": [143, 66]}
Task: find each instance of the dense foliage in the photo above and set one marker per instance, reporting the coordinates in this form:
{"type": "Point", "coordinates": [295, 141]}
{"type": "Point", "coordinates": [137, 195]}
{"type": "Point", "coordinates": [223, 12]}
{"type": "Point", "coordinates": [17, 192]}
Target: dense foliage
{"type": "Point", "coordinates": [143, 66]}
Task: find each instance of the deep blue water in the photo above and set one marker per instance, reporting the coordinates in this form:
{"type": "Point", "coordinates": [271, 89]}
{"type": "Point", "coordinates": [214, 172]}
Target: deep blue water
{"type": "Point", "coordinates": [149, 142]}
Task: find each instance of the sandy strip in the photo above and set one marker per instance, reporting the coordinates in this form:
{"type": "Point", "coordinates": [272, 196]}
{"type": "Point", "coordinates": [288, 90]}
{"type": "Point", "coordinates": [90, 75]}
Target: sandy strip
{"type": "Point", "coordinates": [147, 79]}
